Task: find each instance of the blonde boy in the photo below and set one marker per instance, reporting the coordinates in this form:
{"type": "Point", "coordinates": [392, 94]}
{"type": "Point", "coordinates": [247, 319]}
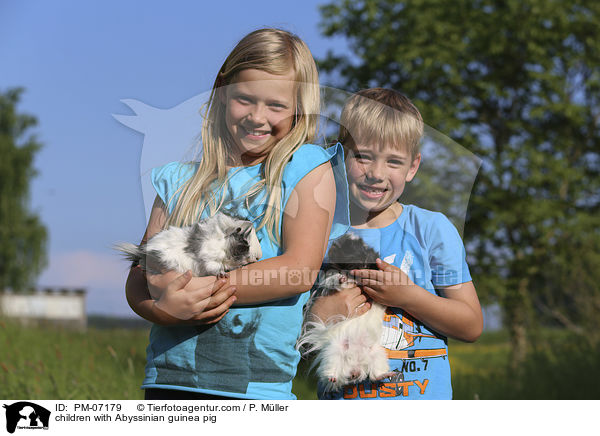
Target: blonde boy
{"type": "Point", "coordinates": [381, 131]}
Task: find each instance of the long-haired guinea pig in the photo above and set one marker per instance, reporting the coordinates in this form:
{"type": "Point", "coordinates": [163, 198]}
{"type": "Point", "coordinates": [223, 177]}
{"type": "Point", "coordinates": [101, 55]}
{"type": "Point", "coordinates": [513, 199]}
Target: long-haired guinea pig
{"type": "Point", "coordinates": [347, 350]}
{"type": "Point", "coordinates": [212, 246]}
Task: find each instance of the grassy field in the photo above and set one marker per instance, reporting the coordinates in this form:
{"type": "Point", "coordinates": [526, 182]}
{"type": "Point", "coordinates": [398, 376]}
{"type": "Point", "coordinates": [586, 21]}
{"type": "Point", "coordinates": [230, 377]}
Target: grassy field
{"type": "Point", "coordinates": [559, 366]}
{"type": "Point", "coordinates": [52, 363]}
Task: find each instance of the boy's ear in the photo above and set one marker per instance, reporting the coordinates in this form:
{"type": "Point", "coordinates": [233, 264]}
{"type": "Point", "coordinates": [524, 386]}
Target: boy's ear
{"type": "Point", "coordinates": [414, 167]}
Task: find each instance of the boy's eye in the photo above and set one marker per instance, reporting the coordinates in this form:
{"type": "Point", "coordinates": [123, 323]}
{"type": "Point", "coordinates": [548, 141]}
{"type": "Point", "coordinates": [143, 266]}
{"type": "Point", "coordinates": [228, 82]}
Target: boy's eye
{"type": "Point", "coordinates": [397, 162]}
{"type": "Point", "coordinates": [361, 157]}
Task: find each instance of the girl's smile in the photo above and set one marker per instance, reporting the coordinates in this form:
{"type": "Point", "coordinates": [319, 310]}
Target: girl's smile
{"type": "Point", "coordinates": [259, 111]}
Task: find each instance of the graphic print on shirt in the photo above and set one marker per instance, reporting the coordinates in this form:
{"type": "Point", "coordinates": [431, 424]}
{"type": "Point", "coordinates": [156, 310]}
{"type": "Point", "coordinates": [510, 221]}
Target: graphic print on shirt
{"type": "Point", "coordinates": [227, 356]}
{"type": "Point", "coordinates": [400, 332]}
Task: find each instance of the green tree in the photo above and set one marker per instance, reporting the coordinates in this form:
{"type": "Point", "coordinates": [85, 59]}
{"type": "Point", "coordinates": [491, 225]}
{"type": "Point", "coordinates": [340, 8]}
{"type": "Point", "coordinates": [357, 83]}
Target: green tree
{"type": "Point", "coordinates": [518, 84]}
{"type": "Point", "coordinates": [22, 235]}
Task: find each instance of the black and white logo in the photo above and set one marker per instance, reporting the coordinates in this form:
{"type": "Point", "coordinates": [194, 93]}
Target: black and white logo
{"type": "Point", "coordinates": [26, 415]}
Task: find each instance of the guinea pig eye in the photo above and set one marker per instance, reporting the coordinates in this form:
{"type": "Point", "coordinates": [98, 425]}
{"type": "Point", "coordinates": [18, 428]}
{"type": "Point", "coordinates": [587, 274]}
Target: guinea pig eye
{"type": "Point", "coordinates": [235, 233]}
{"type": "Point", "coordinates": [240, 249]}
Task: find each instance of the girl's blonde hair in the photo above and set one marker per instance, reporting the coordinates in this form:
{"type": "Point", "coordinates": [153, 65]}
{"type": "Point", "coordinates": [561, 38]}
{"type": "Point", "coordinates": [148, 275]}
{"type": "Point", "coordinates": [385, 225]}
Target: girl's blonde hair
{"type": "Point", "coordinates": [277, 52]}
{"type": "Point", "coordinates": [381, 116]}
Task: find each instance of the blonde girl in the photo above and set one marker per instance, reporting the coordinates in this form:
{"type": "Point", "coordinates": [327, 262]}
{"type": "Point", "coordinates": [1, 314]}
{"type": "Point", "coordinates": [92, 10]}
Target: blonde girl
{"type": "Point", "coordinates": [256, 163]}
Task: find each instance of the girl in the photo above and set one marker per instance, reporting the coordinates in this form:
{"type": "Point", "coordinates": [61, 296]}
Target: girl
{"type": "Point", "coordinates": [263, 107]}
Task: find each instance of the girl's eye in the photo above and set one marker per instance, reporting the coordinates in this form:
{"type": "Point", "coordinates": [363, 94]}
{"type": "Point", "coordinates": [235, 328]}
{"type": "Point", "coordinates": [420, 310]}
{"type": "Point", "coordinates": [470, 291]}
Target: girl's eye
{"type": "Point", "coordinates": [243, 99]}
{"type": "Point", "coordinates": [278, 106]}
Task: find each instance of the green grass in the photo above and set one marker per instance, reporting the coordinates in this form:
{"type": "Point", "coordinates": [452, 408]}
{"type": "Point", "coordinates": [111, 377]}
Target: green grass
{"type": "Point", "coordinates": [54, 363]}
{"type": "Point", "coordinates": [559, 366]}
{"type": "Point", "coordinates": [305, 383]}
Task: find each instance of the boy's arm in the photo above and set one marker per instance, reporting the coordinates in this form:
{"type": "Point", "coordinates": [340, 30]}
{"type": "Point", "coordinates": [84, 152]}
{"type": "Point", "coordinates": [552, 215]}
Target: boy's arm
{"type": "Point", "coordinates": [469, 328]}
{"type": "Point", "coordinates": [457, 314]}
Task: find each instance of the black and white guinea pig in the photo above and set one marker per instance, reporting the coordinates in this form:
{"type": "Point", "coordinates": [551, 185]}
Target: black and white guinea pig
{"type": "Point", "coordinates": [346, 253]}
{"type": "Point", "coordinates": [346, 349]}
{"type": "Point", "coordinates": [212, 246]}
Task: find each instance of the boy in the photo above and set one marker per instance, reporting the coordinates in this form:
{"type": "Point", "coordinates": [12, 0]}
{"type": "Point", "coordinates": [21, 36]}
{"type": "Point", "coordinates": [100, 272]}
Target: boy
{"type": "Point", "coordinates": [437, 298]}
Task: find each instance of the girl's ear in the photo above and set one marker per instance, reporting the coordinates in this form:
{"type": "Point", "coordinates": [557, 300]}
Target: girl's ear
{"type": "Point", "coordinates": [222, 95]}
{"type": "Point", "coordinates": [414, 167]}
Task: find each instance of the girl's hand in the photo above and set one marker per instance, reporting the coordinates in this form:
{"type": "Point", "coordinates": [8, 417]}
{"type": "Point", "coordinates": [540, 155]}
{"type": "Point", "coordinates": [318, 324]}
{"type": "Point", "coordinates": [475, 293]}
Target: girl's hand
{"type": "Point", "coordinates": [389, 285]}
{"type": "Point", "coordinates": [348, 302]}
{"type": "Point", "coordinates": [198, 300]}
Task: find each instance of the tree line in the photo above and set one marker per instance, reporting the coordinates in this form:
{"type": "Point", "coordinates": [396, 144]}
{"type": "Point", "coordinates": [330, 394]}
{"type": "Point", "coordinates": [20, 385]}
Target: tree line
{"type": "Point", "coordinates": [518, 84]}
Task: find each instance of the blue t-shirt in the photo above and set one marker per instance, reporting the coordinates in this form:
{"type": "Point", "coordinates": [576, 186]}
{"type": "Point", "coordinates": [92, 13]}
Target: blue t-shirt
{"type": "Point", "coordinates": [250, 353]}
{"type": "Point", "coordinates": [428, 246]}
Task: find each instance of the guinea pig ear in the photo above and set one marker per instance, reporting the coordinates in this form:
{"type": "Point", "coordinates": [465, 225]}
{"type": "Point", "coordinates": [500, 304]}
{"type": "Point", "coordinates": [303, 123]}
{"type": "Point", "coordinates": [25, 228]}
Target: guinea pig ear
{"type": "Point", "coordinates": [248, 230]}
{"type": "Point", "coordinates": [235, 231]}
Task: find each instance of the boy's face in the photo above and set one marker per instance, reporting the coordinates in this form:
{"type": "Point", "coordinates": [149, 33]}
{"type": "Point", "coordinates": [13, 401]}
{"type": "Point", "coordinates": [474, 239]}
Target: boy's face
{"type": "Point", "coordinates": [377, 175]}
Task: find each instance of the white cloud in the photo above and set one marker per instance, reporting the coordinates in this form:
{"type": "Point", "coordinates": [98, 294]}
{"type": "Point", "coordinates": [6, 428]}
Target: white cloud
{"type": "Point", "coordinates": [85, 269]}
{"type": "Point", "coordinates": [102, 275]}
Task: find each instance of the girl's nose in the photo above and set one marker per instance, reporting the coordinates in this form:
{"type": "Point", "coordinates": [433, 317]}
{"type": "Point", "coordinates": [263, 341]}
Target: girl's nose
{"type": "Point", "coordinates": [257, 115]}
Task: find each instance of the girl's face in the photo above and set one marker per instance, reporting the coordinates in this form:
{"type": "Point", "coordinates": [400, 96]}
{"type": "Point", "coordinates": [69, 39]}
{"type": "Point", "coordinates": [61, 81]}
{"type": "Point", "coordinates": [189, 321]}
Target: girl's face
{"type": "Point", "coordinates": [259, 110]}
{"type": "Point", "coordinates": [377, 176]}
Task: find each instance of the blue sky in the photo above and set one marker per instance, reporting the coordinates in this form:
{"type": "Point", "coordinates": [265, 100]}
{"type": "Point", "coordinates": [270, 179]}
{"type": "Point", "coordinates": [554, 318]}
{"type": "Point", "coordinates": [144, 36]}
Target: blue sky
{"type": "Point", "coordinates": [77, 61]}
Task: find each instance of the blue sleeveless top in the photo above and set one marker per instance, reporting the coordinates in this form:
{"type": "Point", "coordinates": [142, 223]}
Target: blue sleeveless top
{"type": "Point", "coordinates": [251, 352]}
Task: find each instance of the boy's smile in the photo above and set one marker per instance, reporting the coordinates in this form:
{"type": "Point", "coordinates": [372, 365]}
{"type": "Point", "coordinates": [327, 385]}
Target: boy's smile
{"type": "Point", "coordinates": [376, 179]}
{"type": "Point", "coordinates": [372, 192]}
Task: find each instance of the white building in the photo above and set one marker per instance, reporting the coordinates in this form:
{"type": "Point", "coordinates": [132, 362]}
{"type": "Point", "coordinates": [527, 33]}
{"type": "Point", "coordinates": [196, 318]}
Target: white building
{"type": "Point", "coordinates": [63, 307]}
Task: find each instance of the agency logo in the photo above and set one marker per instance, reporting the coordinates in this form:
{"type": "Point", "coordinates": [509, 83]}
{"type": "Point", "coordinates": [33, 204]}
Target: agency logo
{"type": "Point", "coordinates": [26, 415]}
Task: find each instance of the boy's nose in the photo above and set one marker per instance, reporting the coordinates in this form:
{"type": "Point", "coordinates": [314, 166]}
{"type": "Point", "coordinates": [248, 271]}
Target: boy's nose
{"type": "Point", "coordinates": [374, 172]}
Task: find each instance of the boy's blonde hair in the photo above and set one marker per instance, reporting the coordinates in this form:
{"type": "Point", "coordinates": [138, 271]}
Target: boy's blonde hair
{"type": "Point", "coordinates": [381, 116]}
{"type": "Point", "coordinates": [277, 52]}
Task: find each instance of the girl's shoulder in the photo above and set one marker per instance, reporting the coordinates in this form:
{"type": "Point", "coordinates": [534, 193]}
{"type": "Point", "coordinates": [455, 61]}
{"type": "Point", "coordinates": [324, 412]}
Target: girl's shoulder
{"type": "Point", "coordinates": [306, 150]}
{"type": "Point", "coordinates": [174, 171]}
{"type": "Point", "coordinates": [167, 179]}
{"type": "Point", "coordinates": [309, 156]}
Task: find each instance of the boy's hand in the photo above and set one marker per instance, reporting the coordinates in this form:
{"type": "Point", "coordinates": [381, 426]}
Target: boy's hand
{"type": "Point", "coordinates": [389, 285]}
{"type": "Point", "coordinates": [348, 302]}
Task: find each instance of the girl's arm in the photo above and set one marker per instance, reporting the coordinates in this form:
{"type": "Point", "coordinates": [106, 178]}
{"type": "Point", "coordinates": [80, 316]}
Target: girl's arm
{"type": "Point", "coordinates": [457, 314]}
{"type": "Point", "coordinates": [200, 301]}
{"type": "Point", "coordinates": [307, 221]}
{"type": "Point", "coordinates": [350, 302]}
